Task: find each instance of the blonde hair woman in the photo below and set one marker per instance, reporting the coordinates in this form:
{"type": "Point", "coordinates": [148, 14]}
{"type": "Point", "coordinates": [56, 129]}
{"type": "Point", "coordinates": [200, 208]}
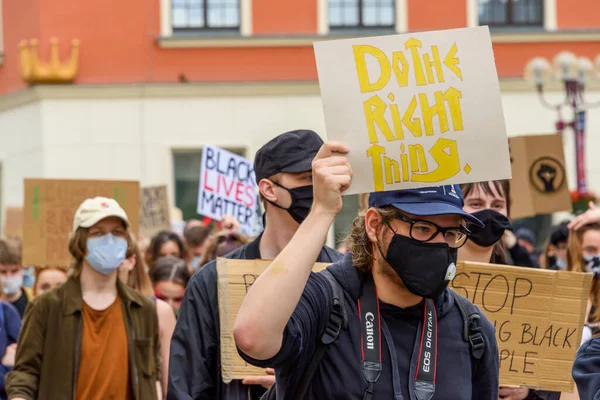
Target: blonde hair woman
{"type": "Point", "coordinates": [94, 337]}
{"type": "Point", "coordinates": [583, 255]}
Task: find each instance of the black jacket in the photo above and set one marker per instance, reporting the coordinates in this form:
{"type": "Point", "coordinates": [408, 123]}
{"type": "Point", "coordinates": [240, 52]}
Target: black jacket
{"type": "Point", "coordinates": [195, 362]}
{"type": "Point", "coordinates": [586, 370]}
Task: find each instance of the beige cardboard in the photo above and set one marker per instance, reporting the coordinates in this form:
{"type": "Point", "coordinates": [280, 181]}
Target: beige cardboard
{"type": "Point", "coordinates": [50, 206]}
{"type": "Point", "coordinates": [235, 277]}
{"type": "Point", "coordinates": [539, 316]}
{"type": "Point", "coordinates": [13, 222]}
{"type": "Point", "coordinates": [415, 110]}
{"type": "Point", "coordinates": [570, 396]}
{"type": "Point", "coordinates": [539, 183]}
{"type": "Point", "coordinates": [154, 210]}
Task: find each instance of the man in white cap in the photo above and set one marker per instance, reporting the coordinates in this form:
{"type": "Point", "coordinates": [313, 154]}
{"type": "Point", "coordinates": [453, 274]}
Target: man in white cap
{"type": "Point", "coordinates": [93, 337]}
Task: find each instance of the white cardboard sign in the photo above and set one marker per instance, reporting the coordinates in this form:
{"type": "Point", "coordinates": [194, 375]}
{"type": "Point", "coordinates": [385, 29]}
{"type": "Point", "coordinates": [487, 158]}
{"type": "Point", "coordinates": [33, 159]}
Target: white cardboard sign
{"type": "Point", "coordinates": [416, 110]}
{"type": "Point", "coordinates": [228, 187]}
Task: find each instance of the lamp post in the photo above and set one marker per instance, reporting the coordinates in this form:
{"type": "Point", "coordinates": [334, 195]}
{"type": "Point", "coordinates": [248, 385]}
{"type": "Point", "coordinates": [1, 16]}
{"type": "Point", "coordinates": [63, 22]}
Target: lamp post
{"type": "Point", "coordinates": [574, 72]}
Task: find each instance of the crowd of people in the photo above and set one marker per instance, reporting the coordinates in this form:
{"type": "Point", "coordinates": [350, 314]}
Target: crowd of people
{"type": "Point", "coordinates": [139, 319]}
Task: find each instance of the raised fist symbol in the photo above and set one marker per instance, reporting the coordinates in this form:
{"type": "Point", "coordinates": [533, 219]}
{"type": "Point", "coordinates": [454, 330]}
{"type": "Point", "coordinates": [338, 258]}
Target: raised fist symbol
{"type": "Point", "coordinates": [547, 174]}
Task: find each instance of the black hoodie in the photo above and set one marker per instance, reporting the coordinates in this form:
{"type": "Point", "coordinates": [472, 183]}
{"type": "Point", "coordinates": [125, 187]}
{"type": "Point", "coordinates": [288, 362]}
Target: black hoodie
{"type": "Point", "coordinates": [339, 375]}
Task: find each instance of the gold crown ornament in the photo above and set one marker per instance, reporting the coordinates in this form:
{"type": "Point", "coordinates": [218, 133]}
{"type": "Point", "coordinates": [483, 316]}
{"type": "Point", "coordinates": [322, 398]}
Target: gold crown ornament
{"type": "Point", "coordinates": [34, 70]}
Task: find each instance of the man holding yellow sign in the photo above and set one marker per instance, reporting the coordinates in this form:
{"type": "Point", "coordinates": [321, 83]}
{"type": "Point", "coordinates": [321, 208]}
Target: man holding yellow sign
{"type": "Point", "coordinates": [395, 302]}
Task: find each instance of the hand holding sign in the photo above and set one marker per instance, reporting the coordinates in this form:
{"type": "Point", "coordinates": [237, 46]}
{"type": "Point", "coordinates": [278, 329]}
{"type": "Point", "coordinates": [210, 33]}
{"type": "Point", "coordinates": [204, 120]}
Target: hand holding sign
{"type": "Point", "coordinates": [331, 176]}
{"type": "Point", "coordinates": [229, 223]}
{"type": "Point", "coordinates": [265, 381]}
{"type": "Point", "coordinates": [508, 393]}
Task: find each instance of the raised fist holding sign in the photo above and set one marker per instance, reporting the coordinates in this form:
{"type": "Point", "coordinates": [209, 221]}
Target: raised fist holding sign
{"type": "Point", "coordinates": [547, 174]}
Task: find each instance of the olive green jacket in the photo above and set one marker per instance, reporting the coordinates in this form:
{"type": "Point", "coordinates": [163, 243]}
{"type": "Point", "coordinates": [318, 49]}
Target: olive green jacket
{"type": "Point", "coordinates": [49, 346]}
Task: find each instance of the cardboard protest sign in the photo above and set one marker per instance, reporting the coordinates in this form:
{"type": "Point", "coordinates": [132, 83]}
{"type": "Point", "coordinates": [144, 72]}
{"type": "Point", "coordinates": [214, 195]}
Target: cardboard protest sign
{"type": "Point", "coordinates": [235, 278]}
{"type": "Point", "coordinates": [228, 187]}
{"type": "Point", "coordinates": [50, 206]}
{"type": "Point", "coordinates": [419, 109]}
{"type": "Point", "coordinates": [13, 222]}
{"type": "Point", "coordinates": [538, 315]}
{"type": "Point", "coordinates": [154, 210]}
{"type": "Point", "coordinates": [539, 183]}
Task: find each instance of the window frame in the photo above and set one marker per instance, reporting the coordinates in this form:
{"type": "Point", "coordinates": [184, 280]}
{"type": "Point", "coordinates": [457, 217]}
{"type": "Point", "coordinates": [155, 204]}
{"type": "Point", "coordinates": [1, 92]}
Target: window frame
{"type": "Point", "coordinates": [508, 21]}
{"type": "Point", "coordinates": [205, 13]}
{"type": "Point", "coordinates": [245, 28]}
{"type": "Point", "coordinates": [360, 25]}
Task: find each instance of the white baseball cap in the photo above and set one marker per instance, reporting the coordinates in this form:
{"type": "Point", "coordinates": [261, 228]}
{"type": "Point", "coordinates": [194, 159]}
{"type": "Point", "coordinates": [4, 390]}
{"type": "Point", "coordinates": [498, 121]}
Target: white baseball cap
{"type": "Point", "coordinates": [94, 210]}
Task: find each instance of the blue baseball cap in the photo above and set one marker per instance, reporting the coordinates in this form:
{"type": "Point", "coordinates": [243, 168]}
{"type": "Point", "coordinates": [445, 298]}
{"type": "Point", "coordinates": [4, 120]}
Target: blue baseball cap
{"type": "Point", "coordinates": [437, 200]}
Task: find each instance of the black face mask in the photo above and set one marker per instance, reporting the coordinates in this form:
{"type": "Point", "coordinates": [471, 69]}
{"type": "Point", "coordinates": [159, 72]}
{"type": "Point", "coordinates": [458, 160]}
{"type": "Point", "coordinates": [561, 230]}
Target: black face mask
{"type": "Point", "coordinates": [425, 268]}
{"type": "Point", "coordinates": [302, 199]}
{"type": "Point", "coordinates": [495, 225]}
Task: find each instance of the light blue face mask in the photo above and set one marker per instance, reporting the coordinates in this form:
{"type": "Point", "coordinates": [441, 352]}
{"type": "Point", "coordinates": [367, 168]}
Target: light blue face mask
{"type": "Point", "coordinates": [29, 277]}
{"type": "Point", "coordinates": [561, 264]}
{"type": "Point", "coordinates": [106, 253]}
{"type": "Point", "coordinates": [195, 263]}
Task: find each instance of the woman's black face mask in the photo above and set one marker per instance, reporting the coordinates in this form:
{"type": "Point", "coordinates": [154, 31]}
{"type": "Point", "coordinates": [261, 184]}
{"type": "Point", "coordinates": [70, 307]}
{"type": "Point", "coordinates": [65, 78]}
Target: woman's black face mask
{"type": "Point", "coordinates": [495, 225]}
{"type": "Point", "coordinates": [302, 199]}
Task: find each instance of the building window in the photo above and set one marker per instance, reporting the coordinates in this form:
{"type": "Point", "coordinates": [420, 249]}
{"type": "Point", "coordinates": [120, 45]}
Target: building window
{"type": "Point", "coordinates": [511, 12]}
{"type": "Point", "coordinates": [205, 14]}
{"type": "Point", "coordinates": [361, 14]}
{"type": "Point", "coordinates": [186, 170]}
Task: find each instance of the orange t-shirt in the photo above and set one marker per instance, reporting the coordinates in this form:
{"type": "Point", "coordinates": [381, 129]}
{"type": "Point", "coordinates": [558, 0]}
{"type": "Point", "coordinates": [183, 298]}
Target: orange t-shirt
{"type": "Point", "coordinates": [104, 362]}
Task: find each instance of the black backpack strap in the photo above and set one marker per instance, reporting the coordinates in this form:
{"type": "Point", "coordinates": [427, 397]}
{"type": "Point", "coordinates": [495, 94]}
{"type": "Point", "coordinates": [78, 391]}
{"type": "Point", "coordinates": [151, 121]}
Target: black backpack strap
{"type": "Point", "coordinates": [338, 320]}
{"type": "Point", "coordinates": [471, 328]}
{"type": "Point", "coordinates": [338, 315]}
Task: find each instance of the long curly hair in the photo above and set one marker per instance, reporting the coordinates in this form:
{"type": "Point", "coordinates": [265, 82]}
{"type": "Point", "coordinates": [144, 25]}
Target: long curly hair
{"type": "Point", "coordinates": [358, 241]}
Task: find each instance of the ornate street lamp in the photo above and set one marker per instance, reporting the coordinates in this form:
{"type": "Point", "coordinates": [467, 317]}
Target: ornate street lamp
{"type": "Point", "coordinates": [575, 72]}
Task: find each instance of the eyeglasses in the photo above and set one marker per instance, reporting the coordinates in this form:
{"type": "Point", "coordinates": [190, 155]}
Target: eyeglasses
{"type": "Point", "coordinates": [424, 231]}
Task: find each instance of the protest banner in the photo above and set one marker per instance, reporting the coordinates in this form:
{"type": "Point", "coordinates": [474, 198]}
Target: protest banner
{"type": "Point", "coordinates": [13, 222]}
{"type": "Point", "coordinates": [538, 315]}
{"type": "Point", "coordinates": [235, 278]}
{"type": "Point", "coordinates": [415, 110]}
{"type": "Point", "coordinates": [50, 206]}
{"type": "Point", "coordinates": [539, 183]}
{"type": "Point", "coordinates": [228, 187]}
{"type": "Point", "coordinates": [154, 211]}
